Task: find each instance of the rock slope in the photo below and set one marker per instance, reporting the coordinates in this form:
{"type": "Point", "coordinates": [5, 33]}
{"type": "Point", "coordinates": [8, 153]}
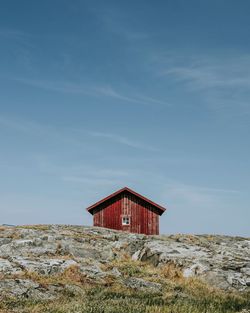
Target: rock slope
{"type": "Point", "coordinates": [221, 261]}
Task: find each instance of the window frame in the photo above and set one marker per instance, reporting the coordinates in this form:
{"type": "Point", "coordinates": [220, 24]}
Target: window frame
{"type": "Point", "coordinates": [125, 220]}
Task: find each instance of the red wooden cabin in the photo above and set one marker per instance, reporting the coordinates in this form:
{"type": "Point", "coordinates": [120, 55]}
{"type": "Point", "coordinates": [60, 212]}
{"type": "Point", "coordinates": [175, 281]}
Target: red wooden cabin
{"type": "Point", "coordinates": [128, 211]}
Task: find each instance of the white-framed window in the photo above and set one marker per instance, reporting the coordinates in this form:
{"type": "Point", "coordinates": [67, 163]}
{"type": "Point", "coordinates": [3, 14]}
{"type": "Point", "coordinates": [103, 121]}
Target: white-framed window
{"type": "Point", "coordinates": [125, 220]}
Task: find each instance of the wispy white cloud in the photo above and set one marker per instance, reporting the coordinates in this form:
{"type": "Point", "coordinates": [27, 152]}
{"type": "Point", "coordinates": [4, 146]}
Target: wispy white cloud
{"type": "Point", "coordinates": [22, 47]}
{"type": "Point", "coordinates": [112, 93]}
{"type": "Point", "coordinates": [206, 73]}
{"type": "Point", "coordinates": [93, 181]}
{"type": "Point", "coordinates": [58, 86]}
{"type": "Point", "coordinates": [220, 82]}
{"type": "Point", "coordinates": [15, 124]}
{"type": "Point", "coordinates": [86, 175]}
{"type": "Point", "coordinates": [116, 23]}
{"type": "Point", "coordinates": [33, 130]}
{"type": "Point", "coordinates": [67, 135]}
{"type": "Point", "coordinates": [90, 90]}
{"type": "Point", "coordinates": [136, 98]}
{"type": "Point", "coordinates": [122, 140]}
{"type": "Point", "coordinates": [13, 33]}
{"type": "Point", "coordinates": [196, 195]}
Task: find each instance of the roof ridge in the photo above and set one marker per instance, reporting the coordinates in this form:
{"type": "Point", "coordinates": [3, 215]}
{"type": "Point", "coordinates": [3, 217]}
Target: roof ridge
{"type": "Point", "coordinates": [90, 208]}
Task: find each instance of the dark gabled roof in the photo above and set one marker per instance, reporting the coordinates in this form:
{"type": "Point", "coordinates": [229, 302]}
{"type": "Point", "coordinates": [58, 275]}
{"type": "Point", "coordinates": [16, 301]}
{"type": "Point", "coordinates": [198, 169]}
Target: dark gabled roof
{"type": "Point", "coordinates": [126, 189]}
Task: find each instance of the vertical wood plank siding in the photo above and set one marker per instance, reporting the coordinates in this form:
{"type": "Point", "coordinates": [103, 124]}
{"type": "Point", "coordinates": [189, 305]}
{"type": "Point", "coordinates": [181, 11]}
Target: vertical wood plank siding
{"type": "Point", "coordinates": [144, 218]}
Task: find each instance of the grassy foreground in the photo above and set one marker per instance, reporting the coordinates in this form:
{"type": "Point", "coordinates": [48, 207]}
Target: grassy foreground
{"type": "Point", "coordinates": [178, 295]}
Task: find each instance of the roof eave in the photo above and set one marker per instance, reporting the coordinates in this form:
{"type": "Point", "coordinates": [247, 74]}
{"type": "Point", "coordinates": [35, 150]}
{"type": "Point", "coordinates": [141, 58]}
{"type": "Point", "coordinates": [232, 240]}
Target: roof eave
{"type": "Point", "coordinates": [157, 206]}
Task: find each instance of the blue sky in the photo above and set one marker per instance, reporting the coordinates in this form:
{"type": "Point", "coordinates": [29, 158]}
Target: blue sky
{"type": "Point", "coordinates": [153, 95]}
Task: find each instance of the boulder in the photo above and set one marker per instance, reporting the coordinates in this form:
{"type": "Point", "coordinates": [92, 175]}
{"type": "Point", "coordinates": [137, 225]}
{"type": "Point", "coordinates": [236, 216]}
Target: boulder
{"type": "Point", "coordinates": [141, 284]}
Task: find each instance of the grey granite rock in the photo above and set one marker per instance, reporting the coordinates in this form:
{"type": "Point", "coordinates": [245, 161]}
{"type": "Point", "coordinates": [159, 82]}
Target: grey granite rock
{"type": "Point", "coordinates": [222, 261]}
{"type": "Point", "coordinates": [141, 284]}
{"type": "Point", "coordinates": [24, 288]}
{"type": "Point", "coordinates": [43, 266]}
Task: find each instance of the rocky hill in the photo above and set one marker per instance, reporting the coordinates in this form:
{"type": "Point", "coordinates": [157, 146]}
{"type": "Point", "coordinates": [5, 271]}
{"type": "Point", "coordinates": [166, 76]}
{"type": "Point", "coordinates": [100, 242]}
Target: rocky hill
{"type": "Point", "coordinates": [43, 263]}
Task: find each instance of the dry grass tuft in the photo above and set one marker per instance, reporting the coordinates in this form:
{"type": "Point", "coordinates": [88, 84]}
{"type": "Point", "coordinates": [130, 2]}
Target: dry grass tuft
{"type": "Point", "coordinates": [73, 274]}
{"type": "Point", "coordinates": [171, 271]}
{"type": "Point", "coordinates": [35, 227]}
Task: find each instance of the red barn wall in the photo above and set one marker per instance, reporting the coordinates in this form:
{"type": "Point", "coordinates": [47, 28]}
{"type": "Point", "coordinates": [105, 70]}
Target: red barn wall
{"type": "Point", "coordinates": [144, 217]}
